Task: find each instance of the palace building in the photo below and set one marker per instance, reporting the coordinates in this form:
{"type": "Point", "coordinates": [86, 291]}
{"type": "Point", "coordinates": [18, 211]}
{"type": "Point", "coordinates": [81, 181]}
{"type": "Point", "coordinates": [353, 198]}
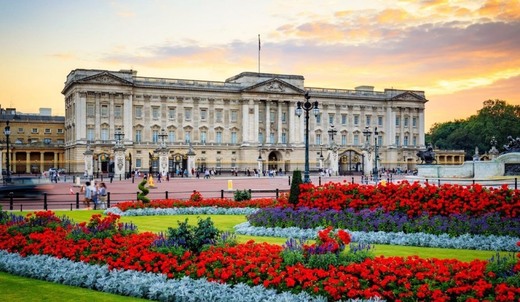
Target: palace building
{"type": "Point", "coordinates": [245, 122]}
{"type": "Point", "coordinates": [36, 141]}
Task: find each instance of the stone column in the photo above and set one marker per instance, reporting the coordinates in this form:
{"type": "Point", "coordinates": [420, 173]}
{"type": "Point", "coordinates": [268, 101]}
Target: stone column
{"type": "Point", "coordinates": [42, 160]}
{"type": "Point", "coordinates": [279, 130]}
{"type": "Point", "coordinates": [1, 165]}
{"type": "Point", "coordinates": [163, 161]}
{"type": "Point", "coordinates": [27, 162]}
{"type": "Point", "coordinates": [88, 158]}
{"type": "Point", "coordinates": [256, 126]}
{"type": "Point", "coordinates": [191, 160]}
{"type": "Point", "coordinates": [119, 161]}
{"type": "Point", "coordinates": [245, 123]}
{"type": "Point", "coordinates": [267, 136]}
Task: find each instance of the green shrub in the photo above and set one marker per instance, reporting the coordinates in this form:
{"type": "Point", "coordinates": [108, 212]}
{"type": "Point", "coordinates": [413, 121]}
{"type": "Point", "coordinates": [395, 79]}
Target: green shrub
{"type": "Point", "coordinates": [144, 191]}
{"type": "Point", "coordinates": [295, 187]}
{"type": "Point", "coordinates": [188, 237]}
{"type": "Point", "coordinates": [242, 195]}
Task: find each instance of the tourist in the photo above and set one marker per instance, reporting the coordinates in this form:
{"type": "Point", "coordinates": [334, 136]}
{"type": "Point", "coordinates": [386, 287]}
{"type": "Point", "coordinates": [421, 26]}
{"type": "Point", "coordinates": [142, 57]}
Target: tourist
{"type": "Point", "coordinates": [102, 193]}
{"type": "Point", "coordinates": [88, 194]}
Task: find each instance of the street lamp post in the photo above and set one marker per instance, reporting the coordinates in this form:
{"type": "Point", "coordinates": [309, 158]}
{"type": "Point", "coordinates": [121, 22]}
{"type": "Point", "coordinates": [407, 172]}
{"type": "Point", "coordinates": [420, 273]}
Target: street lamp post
{"type": "Point", "coordinates": [7, 132]}
{"type": "Point", "coordinates": [307, 106]}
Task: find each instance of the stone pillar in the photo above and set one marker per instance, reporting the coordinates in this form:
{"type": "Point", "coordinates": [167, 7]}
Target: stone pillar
{"type": "Point", "coordinates": [27, 162]}
{"type": "Point", "coordinates": [191, 160]}
{"type": "Point", "coordinates": [280, 126]}
{"type": "Point", "coordinates": [333, 160]}
{"type": "Point", "coordinates": [119, 161]}
{"type": "Point", "coordinates": [163, 161]}
{"type": "Point", "coordinates": [256, 126]}
{"type": "Point", "coordinates": [1, 165]}
{"type": "Point", "coordinates": [368, 162]}
{"type": "Point", "coordinates": [267, 136]}
{"type": "Point", "coordinates": [42, 160]}
{"type": "Point", "coordinates": [88, 158]}
{"type": "Point", "coordinates": [245, 123]}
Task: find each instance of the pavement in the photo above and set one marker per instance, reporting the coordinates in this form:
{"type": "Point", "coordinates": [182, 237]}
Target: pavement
{"type": "Point", "coordinates": [66, 194]}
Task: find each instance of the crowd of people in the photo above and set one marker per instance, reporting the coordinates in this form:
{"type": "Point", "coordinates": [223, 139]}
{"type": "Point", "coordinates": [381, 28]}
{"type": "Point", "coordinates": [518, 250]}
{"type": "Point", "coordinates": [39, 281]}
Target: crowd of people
{"type": "Point", "coordinates": [95, 193]}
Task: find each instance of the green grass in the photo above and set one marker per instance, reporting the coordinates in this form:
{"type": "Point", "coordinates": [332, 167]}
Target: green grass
{"type": "Point", "coordinates": [226, 222]}
{"type": "Point", "coordinates": [15, 288]}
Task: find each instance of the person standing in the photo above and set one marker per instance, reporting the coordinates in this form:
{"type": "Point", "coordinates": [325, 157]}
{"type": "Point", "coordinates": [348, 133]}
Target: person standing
{"type": "Point", "coordinates": [88, 194]}
{"type": "Point", "coordinates": [102, 193]}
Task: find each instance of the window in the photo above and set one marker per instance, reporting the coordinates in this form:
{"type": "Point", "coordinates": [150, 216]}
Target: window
{"type": "Point", "coordinates": [60, 131]}
{"type": "Point", "coordinates": [284, 117]}
{"type": "Point", "coordinates": [260, 137]}
{"type": "Point", "coordinates": [380, 121]}
{"type": "Point", "coordinates": [60, 141]}
{"type": "Point", "coordinates": [271, 116]}
{"type": "Point", "coordinates": [155, 112]}
{"type": "Point", "coordinates": [20, 130]}
{"type": "Point", "coordinates": [47, 141]}
{"type": "Point", "coordinates": [271, 138]}
{"type": "Point", "coordinates": [284, 138]}
{"type": "Point", "coordinates": [90, 110]}
{"type": "Point", "coordinates": [171, 113]}
{"type": "Point", "coordinates": [414, 140]}
{"type": "Point", "coordinates": [234, 116]}
{"type": "Point", "coordinates": [155, 136]}
{"type": "Point", "coordinates": [203, 114]}
{"type": "Point", "coordinates": [368, 120]}
{"type": "Point", "coordinates": [397, 120]}
{"type": "Point", "coordinates": [104, 110]}
{"type": "Point", "coordinates": [138, 163]}
{"type": "Point", "coordinates": [318, 138]}
{"type": "Point", "coordinates": [138, 111]}
{"type": "Point", "coordinates": [406, 121]}
{"type": "Point", "coordinates": [233, 137]}
{"type": "Point", "coordinates": [118, 110]}
{"type": "Point", "coordinates": [379, 140]}
{"type": "Point", "coordinates": [414, 122]}
{"type": "Point", "coordinates": [397, 140]}
{"type": "Point", "coordinates": [171, 136]}
{"type": "Point", "coordinates": [219, 137]}
{"type": "Point", "coordinates": [104, 134]}
{"type": "Point", "coordinates": [356, 139]}
{"type": "Point", "coordinates": [90, 134]}
{"type": "Point", "coordinates": [187, 114]}
{"type": "Point", "coordinates": [203, 137]}
{"type": "Point", "coordinates": [34, 130]}
{"type": "Point", "coordinates": [343, 119]}
{"type": "Point", "coordinates": [343, 139]}
{"type": "Point", "coordinates": [187, 137]}
{"type": "Point", "coordinates": [138, 136]}
{"type": "Point", "coordinates": [331, 119]}
{"type": "Point", "coordinates": [261, 115]}
{"type": "Point", "coordinates": [405, 140]}
{"type": "Point", "coordinates": [356, 119]}
{"type": "Point", "coordinates": [47, 130]}
{"type": "Point", "coordinates": [318, 118]}
{"type": "Point", "coordinates": [218, 116]}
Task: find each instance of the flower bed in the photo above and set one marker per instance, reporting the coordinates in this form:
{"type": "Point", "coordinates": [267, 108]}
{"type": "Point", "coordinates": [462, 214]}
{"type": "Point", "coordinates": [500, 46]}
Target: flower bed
{"type": "Point", "coordinates": [412, 199]}
{"type": "Point", "coordinates": [107, 242]}
{"type": "Point", "coordinates": [197, 202]}
{"type": "Point", "coordinates": [367, 220]}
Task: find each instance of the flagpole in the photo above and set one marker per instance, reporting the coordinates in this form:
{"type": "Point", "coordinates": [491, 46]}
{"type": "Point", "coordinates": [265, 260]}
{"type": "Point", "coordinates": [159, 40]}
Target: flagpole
{"type": "Point", "coordinates": [259, 53]}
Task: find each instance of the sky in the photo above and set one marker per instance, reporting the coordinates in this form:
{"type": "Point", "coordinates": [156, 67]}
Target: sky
{"type": "Point", "coordinates": [459, 52]}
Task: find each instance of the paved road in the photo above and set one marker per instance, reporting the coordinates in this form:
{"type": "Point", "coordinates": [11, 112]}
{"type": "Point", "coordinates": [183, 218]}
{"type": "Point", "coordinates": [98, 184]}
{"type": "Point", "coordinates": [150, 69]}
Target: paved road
{"type": "Point", "coordinates": [63, 194]}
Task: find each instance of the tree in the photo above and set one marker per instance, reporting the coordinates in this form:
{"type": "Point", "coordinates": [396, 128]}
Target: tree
{"type": "Point", "coordinates": [496, 119]}
{"type": "Point", "coordinates": [294, 194]}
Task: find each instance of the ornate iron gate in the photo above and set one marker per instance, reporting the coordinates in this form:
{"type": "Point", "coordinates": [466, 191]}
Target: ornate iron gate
{"type": "Point", "coordinates": [351, 163]}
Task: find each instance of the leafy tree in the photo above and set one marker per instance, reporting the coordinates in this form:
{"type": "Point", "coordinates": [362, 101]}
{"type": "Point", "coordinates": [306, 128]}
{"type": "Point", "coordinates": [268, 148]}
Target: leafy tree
{"type": "Point", "coordinates": [496, 119]}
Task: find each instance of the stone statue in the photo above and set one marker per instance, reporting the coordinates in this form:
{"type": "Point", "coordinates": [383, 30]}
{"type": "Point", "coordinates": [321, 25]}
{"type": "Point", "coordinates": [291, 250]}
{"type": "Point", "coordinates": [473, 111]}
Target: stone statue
{"type": "Point", "coordinates": [428, 156]}
{"type": "Point", "coordinates": [513, 145]}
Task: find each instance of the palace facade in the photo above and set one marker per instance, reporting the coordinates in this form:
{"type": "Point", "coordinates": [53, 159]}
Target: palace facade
{"type": "Point", "coordinates": [36, 141]}
{"type": "Point", "coordinates": [245, 122]}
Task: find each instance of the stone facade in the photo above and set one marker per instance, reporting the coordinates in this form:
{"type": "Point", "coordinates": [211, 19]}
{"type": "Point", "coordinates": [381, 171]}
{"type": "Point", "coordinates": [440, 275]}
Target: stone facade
{"type": "Point", "coordinates": [36, 142]}
{"type": "Point", "coordinates": [231, 125]}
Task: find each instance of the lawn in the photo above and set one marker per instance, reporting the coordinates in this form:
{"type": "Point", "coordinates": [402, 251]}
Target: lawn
{"type": "Point", "coordinates": [226, 222]}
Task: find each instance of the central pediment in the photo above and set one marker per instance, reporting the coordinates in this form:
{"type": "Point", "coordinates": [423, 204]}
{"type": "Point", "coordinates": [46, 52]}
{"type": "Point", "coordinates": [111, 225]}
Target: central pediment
{"type": "Point", "coordinates": [104, 78]}
{"type": "Point", "coordinates": [274, 86]}
{"type": "Point", "coordinates": [409, 96]}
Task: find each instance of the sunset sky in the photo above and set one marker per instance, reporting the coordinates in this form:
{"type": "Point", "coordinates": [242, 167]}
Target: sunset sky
{"type": "Point", "coordinates": [460, 53]}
